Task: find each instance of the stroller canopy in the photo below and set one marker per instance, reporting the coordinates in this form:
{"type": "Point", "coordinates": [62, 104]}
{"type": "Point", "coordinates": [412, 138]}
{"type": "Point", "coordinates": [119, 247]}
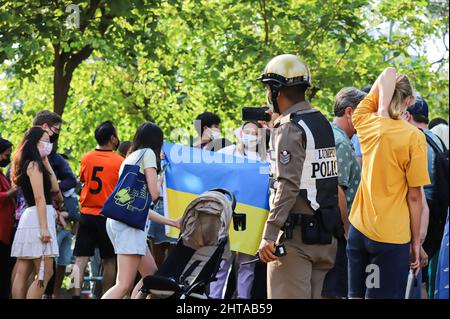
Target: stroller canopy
{"type": "Point", "coordinates": [206, 220]}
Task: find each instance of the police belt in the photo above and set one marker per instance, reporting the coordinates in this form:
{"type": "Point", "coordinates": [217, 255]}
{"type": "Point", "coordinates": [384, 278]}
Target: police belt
{"type": "Point", "coordinates": [296, 218]}
{"type": "Point", "coordinates": [308, 222]}
{"type": "Point", "coordinates": [292, 221]}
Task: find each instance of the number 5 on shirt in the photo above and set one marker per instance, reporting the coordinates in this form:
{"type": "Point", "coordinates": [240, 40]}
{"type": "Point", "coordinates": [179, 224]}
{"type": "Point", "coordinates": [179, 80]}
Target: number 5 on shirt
{"type": "Point", "coordinates": [97, 179]}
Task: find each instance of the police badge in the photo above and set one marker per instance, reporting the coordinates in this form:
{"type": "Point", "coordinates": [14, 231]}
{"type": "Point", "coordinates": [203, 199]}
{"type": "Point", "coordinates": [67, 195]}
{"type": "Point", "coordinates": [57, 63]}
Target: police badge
{"type": "Point", "coordinates": [285, 157]}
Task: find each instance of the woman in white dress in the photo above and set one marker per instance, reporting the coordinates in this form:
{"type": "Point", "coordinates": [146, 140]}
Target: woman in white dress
{"type": "Point", "coordinates": [34, 243]}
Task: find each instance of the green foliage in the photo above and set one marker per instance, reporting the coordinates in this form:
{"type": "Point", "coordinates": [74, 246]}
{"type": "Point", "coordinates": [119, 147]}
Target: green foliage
{"type": "Point", "coordinates": [168, 61]}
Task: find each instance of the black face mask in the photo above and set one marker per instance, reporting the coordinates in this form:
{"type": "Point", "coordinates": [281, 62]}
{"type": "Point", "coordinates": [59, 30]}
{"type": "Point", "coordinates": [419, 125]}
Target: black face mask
{"type": "Point", "coordinates": [54, 138]}
{"type": "Point", "coordinates": [274, 89]}
{"type": "Point", "coordinates": [5, 162]}
{"type": "Point", "coordinates": [118, 143]}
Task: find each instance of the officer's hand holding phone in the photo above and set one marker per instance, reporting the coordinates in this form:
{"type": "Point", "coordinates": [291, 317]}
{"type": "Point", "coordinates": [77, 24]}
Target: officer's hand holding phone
{"type": "Point", "coordinates": [267, 251]}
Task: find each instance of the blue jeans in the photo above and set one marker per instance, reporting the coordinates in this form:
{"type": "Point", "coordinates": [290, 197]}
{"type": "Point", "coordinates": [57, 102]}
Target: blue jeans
{"type": "Point", "coordinates": [376, 270]}
{"type": "Point", "coordinates": [73, 207]}
{"type": "Point", "coordinates": [64, 238]}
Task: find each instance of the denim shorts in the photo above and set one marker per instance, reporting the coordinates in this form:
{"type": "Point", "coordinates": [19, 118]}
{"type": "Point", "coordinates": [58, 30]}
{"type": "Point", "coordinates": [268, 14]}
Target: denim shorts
{"type": "Point", "coordinates": [64, 238]}
{"type": "Point", "coordinates": [376, 270]}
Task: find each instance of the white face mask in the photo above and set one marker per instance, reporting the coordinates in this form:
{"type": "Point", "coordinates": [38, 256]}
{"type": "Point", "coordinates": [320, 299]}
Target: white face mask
{"type": "Point", "coordinates": [214, 134]}
{"type": "Point", "coordinates": [46, 149]}
{"type": "Point", "coordinates": [249, 140]}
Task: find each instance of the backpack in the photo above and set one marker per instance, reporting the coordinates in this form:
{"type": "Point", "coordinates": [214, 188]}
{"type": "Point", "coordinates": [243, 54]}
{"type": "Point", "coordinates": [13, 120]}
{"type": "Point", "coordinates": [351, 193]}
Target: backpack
{"type": "Point", "coordinates": [440, 202]}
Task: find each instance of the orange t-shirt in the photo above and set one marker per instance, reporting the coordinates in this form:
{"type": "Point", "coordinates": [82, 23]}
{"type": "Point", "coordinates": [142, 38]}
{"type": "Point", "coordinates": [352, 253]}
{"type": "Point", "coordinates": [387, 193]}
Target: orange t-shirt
{"type": "Point", "coordinates": [99, 172]}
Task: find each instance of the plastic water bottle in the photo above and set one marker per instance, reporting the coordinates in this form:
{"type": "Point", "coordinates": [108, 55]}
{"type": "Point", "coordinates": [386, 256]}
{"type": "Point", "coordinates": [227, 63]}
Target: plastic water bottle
{"type": "Point", "coordinates": [409, 284]}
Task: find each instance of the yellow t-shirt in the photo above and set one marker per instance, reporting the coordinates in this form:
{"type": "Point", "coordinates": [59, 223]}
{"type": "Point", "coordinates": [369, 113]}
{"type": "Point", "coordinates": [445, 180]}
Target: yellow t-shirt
{"type": "Point", "coordinates": [394, 158]}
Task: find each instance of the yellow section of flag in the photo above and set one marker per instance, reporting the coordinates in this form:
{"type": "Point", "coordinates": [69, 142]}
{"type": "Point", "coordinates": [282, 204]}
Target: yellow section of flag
{"type": "Point", "coordinates": [241, 241]}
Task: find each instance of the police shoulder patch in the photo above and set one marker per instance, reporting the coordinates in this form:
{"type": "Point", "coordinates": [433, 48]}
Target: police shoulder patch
{"type": "Point", "coordinates": [284, 157]}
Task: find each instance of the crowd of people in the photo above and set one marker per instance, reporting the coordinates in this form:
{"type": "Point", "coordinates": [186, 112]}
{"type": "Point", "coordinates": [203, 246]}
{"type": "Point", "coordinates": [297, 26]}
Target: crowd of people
{"type": "Point", "coordinates": [375, 216]}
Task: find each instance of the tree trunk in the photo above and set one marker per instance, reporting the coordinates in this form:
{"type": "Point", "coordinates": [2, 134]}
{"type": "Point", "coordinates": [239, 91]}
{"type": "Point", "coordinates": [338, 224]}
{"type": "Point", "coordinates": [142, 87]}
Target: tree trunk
{"type": "Point", "coordinates": [61, 86]}
{"type": "Point", "coordinates": [65, 64]}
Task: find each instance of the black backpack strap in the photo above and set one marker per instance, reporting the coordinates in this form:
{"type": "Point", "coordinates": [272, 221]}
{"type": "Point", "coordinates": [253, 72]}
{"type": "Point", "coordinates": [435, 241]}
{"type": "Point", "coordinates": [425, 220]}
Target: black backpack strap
{"type": "Point", "coordinates": [433, 144]}
{"type": "Point", "coordinates": [442, 143]}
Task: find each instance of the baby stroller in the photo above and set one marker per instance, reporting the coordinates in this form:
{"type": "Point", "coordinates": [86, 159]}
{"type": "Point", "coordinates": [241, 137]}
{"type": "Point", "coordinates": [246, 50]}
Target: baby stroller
{"type": "Point", "coordinates": [202, 244]}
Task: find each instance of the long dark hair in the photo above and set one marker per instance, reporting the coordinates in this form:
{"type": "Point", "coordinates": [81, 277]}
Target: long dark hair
{"type": "Point", "coordinates": [27, 152]}
{"type": "Point", "coordinates": [149, 135]}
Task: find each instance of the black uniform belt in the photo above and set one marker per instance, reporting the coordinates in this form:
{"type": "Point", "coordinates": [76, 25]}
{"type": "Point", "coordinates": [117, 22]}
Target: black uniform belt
{"type": "Point", "coordinates": [296, 218]}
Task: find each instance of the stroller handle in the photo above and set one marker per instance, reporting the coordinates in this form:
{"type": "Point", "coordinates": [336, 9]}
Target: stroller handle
{"type": "Point", "coordinates": [226, 192]}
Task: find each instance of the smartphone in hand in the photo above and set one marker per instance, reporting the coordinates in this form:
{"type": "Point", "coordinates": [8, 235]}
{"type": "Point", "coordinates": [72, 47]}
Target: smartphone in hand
{"type": "Point", "coordinates": [255, 114]}
{"type": "Point", "coordinates": [163, 169]}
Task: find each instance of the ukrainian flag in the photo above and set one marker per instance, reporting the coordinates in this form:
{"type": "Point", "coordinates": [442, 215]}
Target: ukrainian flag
{"type": "Point", "coordinates": [192, 171]}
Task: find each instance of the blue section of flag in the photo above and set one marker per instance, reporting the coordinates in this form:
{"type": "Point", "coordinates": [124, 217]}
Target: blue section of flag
{"type": "Point", "coordinates": [194, 170]}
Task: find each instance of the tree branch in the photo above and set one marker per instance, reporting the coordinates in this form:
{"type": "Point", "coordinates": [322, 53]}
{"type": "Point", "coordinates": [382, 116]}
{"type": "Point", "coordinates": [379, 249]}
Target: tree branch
{"type": "Point", "coordinates": [313, 36]}
{"type": "Point", "coordinates": [262, 4]}
{"type": "Point", "coordinates": [143, 109]}
{"type": "Point", "coordinates": [93, 6]}
{"type": "Point", "coordinates": [76, 59]}
{"type": "Point", "coordinates": [443, 59]}
{"type": "Point", "coordinates": [105, 21]}
{"type": "Point", "coordinates": [443, 41]}
{"type": "Point", "coordinates": [346, 51]}
{"type": "Point", "coordinates": [343, 55]}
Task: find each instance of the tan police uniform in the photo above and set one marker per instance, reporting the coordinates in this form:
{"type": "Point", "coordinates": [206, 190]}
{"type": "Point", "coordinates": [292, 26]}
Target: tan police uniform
{"type": "Point", "coordinates": [299, 274]}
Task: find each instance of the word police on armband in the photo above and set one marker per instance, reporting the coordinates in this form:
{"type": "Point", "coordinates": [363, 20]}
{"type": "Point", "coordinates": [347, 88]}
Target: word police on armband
{"type": "Point", "coordinates": [324, 163]}
{"type": "Point", "coordinates": [225, 308]}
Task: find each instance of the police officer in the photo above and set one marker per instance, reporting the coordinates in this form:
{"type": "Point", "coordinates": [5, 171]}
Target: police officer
{"type": "Point", "coordinates": [304, 210]}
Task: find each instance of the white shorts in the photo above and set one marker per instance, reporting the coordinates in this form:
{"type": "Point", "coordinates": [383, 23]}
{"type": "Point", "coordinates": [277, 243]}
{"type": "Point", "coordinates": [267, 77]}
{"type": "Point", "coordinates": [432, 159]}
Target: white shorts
{"type": "Point", "coordinates": [27, 244]}
{"type": "Point", "coordinates": [127, 240]}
